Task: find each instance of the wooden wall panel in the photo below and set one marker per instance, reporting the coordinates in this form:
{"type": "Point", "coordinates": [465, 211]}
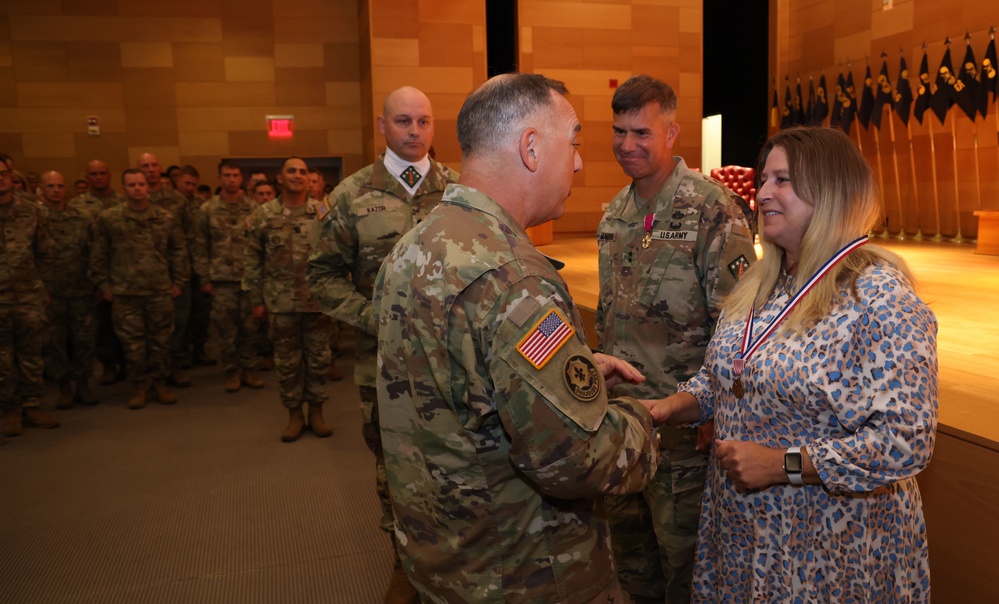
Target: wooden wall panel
{"type": "Point", "coordinates": [592, 47]}
{"type": "Point", "coordinates": [190, 80]}
{"type": "Point", "coordinates": [952, 167]}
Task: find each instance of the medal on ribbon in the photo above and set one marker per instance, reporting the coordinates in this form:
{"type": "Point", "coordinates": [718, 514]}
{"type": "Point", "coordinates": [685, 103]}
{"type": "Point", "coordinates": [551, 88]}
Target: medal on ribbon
{"type": "Point", "coordinates": [749, 346]}
{"type": "Point", "coordinates": [650, 219]}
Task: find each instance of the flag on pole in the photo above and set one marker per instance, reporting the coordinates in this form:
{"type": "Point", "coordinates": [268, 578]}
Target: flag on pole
{"type": "Point", "coordinates": [799, 105]}
{"type": "Point", "coordinates": [810, 108]}
{"type": "Point", "coordinates": [883, 95]}
{"type": "Point", "coordinates": [944, 94]}
{"type": "Point", "coordinates": [849, 103]}
{"type": "Point", "coordinates": [774, 110]}
{"type": "Point", "coordinates": [837, 108]}
{"type": "Point", "coordinates": [787, 113]}
{"type": "Point", "coordinates": [923, 93]}
{"type": "Point", "coordinates": [866, 100]}
{"type": "Point", "coordinates": [903, 93]}
{"type": "Point", "coordinates": [821, 109]}
{"type": "Point", "coordinates": [966, 86]}
{"type": "Point", "coordinates": [988, 81]}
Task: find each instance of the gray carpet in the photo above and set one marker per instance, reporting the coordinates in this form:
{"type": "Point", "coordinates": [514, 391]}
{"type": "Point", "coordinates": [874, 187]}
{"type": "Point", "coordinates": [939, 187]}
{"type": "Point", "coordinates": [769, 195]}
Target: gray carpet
{"type": "Point", "coordinates": [196, 502]}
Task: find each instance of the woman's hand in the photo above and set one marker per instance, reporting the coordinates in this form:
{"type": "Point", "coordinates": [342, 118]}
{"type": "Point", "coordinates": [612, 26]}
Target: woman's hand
{"type": "Point", "coordinates": [749, 465]}
{"type": "Point", "coordinates": [616, 371]}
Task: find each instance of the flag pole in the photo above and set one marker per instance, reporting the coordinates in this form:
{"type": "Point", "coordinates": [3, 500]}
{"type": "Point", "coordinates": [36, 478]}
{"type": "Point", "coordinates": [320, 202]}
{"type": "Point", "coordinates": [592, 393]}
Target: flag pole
{"type": "Point", "coordinates": [898, 182]}
{"type": "Point", "coordinates": [957, 187]}
{"type": "Point", "coordinates": [936, 198]}
{"type": "Point", "coordinates": [915, 184]}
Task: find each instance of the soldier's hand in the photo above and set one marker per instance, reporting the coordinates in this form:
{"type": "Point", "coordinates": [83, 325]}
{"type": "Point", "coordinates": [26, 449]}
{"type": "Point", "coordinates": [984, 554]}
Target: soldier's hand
{"type": "Point", "coordinates": [617, 371]}
{"type": "Point", "coordinates": [260, 311]}
{"type": "Point", "coordinates": [175, 292]}
{"type": "Point", "coordinates": [749, 465]}
{"type": "Point", "coordinates": [208, 288]}
{"type": "Point", "coordinates": [681, 408]}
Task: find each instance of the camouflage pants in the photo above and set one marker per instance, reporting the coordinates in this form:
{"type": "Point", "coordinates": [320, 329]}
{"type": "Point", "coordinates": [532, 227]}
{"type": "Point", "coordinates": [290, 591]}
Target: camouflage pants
{"type": "Point", "coordinates": [23, 332]}
{"type": "Point", "coordinates": [144, 325]}
{"type": "Point", "coordinates": [181, 315]}
{"type": "Point", "coordinates": [301, 356]}
{"type": "Point", "coordinates": [654, 533]}
{"type": "Point", "coordinates": [232, 316]}
{"type": "Point", "coordinates": [107, 347]}
{"type": "Point", "coordinates": [373, 438]}
{"type": "Point", "coordinates": [201, 310]}
{"type": "Point", "coordinates": [72, 332]}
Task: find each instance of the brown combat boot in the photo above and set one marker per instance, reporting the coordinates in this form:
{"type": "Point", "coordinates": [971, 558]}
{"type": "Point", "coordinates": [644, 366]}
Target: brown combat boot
{"type": "Point", "coordinates": [139, 395]}
{"type": "Point", "coordinates": [11, 425]}
{"type": "Point", "coordinates": [179, 378]}
{"type": "Point", "coordinates": [317, 423]}
{"type": "Point", "coordinates": [234, 380]}
{"type": "Point", "coordinates": [400, 590]}
{"type": "Point", "coordinates": [163, 392]}
{"type": "Point", "coordinates": [65, 394]}
{"type": "Point", "coordinates": [109, 375]}
{"type": "Point", "coordinates": [251, 379]}
{"type": "Point", "coordinates": [36, 418]}
{"type": "Point", "coordinates": [296, 422]}
{"type": "Point", "coordinates": [83, 393]}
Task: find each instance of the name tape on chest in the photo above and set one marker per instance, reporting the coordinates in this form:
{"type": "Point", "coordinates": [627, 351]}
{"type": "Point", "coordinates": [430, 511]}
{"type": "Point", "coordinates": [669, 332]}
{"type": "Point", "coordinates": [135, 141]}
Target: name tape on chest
{"type": "Point", "coordinates": [371, 210]}
{"type": "Point", "coordinates": [545, 339]}
{"type": "Point", "coordinates": [664, 235]}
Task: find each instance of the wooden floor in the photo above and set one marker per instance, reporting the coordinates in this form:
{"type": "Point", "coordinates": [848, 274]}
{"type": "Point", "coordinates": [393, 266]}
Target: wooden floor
{"type": "Point", "coordinates": [960, 286]}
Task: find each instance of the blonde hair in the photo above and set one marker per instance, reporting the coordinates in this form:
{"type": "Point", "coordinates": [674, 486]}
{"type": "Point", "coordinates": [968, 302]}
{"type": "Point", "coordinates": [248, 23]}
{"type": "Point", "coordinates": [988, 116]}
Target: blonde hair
{"type": "Point", "coordinates": [828, 173]}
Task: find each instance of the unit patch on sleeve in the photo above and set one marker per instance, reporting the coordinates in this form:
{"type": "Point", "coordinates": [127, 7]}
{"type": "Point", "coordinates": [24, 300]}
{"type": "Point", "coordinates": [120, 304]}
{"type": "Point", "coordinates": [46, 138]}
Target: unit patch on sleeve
{"type": "Point", "coordinates": [581, 378]}
{"type": "Point", "coordinates": [545, 338]}
{"type": "Point", "coordinates": [323, 210]}
{"type": "Point", "coordinates": [738, 266]}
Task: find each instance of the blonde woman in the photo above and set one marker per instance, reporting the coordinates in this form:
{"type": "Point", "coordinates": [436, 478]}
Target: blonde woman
{"type": "Point", "coordinates": [822, 380]}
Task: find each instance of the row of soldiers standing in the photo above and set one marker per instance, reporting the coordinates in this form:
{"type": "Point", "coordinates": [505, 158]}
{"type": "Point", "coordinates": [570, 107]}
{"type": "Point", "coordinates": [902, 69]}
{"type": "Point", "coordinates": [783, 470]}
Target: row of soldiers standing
{"type": "Point", "coordinates": [117, 274]}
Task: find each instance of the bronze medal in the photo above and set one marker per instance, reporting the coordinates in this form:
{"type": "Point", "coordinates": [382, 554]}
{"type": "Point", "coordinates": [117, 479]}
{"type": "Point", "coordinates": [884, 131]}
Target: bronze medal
{"type": "Point", "coordinates": [646, 241]}
{"type": "Point", "coordinates": [737, 389]}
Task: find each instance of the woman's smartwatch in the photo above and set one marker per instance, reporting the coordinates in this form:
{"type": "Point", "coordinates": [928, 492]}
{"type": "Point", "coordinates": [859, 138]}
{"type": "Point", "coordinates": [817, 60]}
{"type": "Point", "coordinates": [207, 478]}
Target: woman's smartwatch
{"type": "Point", "coordinates": [792, 465]}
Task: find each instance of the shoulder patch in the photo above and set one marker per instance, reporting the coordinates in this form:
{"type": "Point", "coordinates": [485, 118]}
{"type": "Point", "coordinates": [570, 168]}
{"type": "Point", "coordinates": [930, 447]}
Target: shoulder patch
{"type": "Point", "coordinates": [738, 266]}
{"type": "Point", "coordinates": [545, 339]}
{"type": "Point", "coordinates": [322, 209]}
{"type": "Point", "coordinates": [581, 378]}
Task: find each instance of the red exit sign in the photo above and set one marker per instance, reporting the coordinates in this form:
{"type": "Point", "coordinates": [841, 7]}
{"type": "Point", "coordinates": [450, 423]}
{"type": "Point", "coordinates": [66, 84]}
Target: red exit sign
{"type": "Point", "coordinates": [280, 126]}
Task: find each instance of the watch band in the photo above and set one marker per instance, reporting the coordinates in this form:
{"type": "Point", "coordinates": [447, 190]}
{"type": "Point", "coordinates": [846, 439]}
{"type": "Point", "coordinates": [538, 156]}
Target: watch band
{"type": "Point", "coordinates": [794, 476]}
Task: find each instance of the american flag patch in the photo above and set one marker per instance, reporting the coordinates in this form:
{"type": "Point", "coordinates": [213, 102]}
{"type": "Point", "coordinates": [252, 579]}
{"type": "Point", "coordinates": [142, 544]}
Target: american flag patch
{"type": "Point", "coordinates": [545, 338]}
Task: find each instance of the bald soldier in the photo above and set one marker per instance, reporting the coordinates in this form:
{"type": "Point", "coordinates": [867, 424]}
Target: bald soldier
{"type": "Point", "coordinates": [359, 223]}
{"type": "Point", "coordinates": [498, 435]}
{"type": "Point", "coordinates": [178, 206]}
{"type": "Point", "coordinates": [99, 195]}
{"type": "Point", "coordinates": [69, 357]}
{"type": "Point", "coordinates": [277, 248]}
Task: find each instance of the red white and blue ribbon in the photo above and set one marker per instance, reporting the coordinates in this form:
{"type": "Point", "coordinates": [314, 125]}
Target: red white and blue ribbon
{"type": "Point", "coordinates": [749, 346]}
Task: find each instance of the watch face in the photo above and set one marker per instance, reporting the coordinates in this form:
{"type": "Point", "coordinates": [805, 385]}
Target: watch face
{"type": "Point", "coordinates": [792, 463]}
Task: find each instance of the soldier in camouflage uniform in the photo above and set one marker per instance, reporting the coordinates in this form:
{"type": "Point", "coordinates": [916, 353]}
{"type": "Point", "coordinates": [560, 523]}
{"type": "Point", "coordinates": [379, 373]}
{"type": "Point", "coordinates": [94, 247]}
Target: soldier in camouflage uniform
{"type": "Point", "coordinates": [99, 197]}
{"type": "Point", "coordinates": [201, 302]}
{"type": "Point", "coordinates": [69, 357]}
{"type": "Point", "coordinates": [499, 439]}
{"type": "Point", "coordinates": [174, 202]}
{"type": "Point", "coordinates": [25, 242]}
{"type": "Point", "coordinates": [219, 240]}
{"type": "Point", "coordinates": [138, 260]}
{"type": "Point", "coordinates": [672, 244]}
{"type": "Point", "coordinates": [277, 249]}
{"type": "Point", "coordinates": [361, 220]}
